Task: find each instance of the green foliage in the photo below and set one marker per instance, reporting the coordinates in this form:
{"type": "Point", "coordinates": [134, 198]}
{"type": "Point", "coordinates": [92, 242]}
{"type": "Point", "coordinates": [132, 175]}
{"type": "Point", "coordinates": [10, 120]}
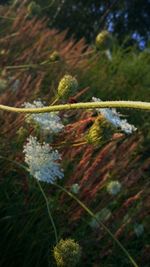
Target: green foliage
{"type": "Point", "coordinates": [27, 237]}
{"type": "Point", "coordinates": [86, 18]}
{"type": "Point", "coordinates": [125, 77]}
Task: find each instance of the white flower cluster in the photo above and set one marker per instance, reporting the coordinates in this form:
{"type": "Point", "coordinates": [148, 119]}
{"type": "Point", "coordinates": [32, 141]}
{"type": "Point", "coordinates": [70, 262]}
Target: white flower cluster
{"type": "Point", "coordinates": [113, 117]}
{"type": "Point", "coordinates": [47, 121]}
{"type": "Point", "coordinates": [114, 187]}
{"type": "Point", "coordinates": [43, 162]}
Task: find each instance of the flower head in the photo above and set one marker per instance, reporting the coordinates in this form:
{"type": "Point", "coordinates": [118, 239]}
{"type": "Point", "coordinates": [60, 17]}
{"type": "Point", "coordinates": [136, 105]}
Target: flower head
{"type": "Point", "coordinates": [75, 188]}
{"type": "Point", "coordinates": [47, 121]}
{"type": "Point", "coordinates": [99, 132]}
{"type": "Point", "coordinates": [104, 40]}
{"type": "Point", "coordinates": [114, 187]}
{"type": "Point", "coordinates": [68, 85]}
{"type": "Point", "coordinates": [43, 162]}
{"type": "Point", "coordinates": [67, 253]}
{"type": "Point", "coordinates": [113, 117]}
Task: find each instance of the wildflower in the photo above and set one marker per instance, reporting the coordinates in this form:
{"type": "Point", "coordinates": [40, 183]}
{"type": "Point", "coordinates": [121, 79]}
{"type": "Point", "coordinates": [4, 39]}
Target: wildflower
{"type": "Point", "coordinates": [138, 229]}
{"type": "Point", "coordinates": [113, 117]}
{"type": "Point", "coordinates": [99, 132]}
{"type": "Point", "coordinates": [114, 187]}
{"type": "Point", "coordinates": [47, 121]}
{"type": "Point", "coordinates": [43, 162]}
{"type": "Point", "coordinates": [67, 253]}
{"type": "Point", "coordinates": [67, 86]}
{"type": "Point", "coordinates": [101, 216]}
{"type": "Point", "coordinates": [104, 41]}
{"type": "Point", "coordinates": [75, 188]}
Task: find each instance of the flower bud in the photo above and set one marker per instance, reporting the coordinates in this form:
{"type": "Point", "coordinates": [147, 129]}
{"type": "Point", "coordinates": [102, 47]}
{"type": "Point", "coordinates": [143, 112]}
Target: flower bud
{"type": "Point", "coordinates": [104, 41]}
{"type": "Point", "coordinates": [100, 131]}
{"type": "Point", "coordinates": [67, 253]}
{"type": "Point", "coordinates": [54, 56]}
{"type": "Point", "coordinates": [75, 188]}
{"type": "Point", "coordinates": [68, 85]}
{"type": "Point", "coordinates": [114, 187]}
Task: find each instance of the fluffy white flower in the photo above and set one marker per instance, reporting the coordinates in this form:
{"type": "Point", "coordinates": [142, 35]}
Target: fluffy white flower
{"type": "Point", "coordinates": [43, 162]}
{"type": "Point", "coordinates": [47, 121]}
{"type": "Point", "coordinates": [114, 187]}
{"type": "Point", "coordinates": [114, 117]}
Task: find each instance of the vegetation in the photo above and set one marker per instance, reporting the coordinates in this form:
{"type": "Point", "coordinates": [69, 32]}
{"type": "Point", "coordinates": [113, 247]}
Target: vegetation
{"type": "Point", "coordinates": [99, 205]}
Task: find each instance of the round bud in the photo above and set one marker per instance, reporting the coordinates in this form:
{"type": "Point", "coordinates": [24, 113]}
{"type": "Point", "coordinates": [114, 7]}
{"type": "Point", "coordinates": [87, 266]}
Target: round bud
{"type": "Point", "coordinates": [114, 187]}
{"type": "Point", "coordinates": [67, 253]}
{"type": "Point", "coordinates": [68, 85]}
{"type": "Point", "coordinates": [104, 40]}
{"type": "Point", "coordinates": [100, 131]}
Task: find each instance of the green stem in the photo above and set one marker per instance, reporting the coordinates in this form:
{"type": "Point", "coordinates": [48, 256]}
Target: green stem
{"type": "Point", "coordinates": [87, 105]}
{"type": "Point", "coordinates": [4, 17]}
{"type": "Point", "coordinates": [49, 212]}
{"type": "Point", "coordinates": [31, 66]}
{"type": "Point", "coordinates": [55, 101]}
{"type": "Point", "coordinates": [22, 67]}
{"type": "Point", "coordinates": [48, 5]}
{"type": "Point", "coordinates": [42, 191]}
{"type": "Point", "coordinates": [100, 223]}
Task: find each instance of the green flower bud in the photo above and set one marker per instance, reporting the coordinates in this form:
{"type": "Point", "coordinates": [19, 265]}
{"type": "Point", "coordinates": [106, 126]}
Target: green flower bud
{"type": "Point", "coordinates": [68, 85]}
{"type": "Point", "coordinates": [34, 9]}
{"type": "Point", "coordinates": [75, 188]}
{"type": "Point", "coordinates": [100, 131]}
{"type": "Point", "coordinates": [104, 41]}
{"type": "Point", "coordinates": [114, 187]}
{"type": "Point", "coordinates": [54, 56]}
{"type": "Point", "coordinates": [67, 253]}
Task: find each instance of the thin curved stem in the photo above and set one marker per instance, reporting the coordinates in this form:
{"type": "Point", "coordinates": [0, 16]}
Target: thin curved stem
{"type": "Point", "coordinates": [4, 17]}
{"type": "Point", "coordinates": [49, 212]}
{"type": "Point", "coordinates": [83, 206]}
{"type": "Point", "coordinates": [42, 191]}
{"type": "Point", "coordinates": [31, 66]}
{"type": "Point", "coordinates": [100, 223]}
{"type": "Point", "coordinates": [87, 105]}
